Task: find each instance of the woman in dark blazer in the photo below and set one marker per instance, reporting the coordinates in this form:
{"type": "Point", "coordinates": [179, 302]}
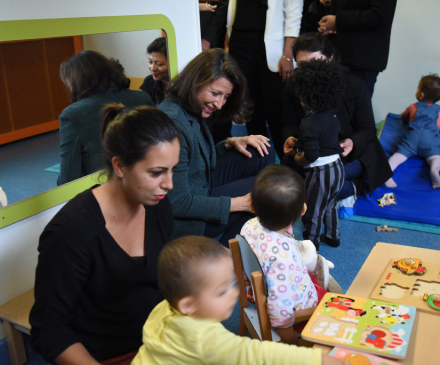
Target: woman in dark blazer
{"type": "Point", "coordinates": [93, 81]}
{"type": "Point", "coordinates": [362, 150]}
{"type": "Point", "coordinates": [212, 182]}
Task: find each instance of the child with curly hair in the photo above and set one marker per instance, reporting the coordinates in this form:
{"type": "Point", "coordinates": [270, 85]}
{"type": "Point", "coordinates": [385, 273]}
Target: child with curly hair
{"type": "Point", "coordinates": [422, 135]}
{"type": "Point", "coordinates": [320, 86]}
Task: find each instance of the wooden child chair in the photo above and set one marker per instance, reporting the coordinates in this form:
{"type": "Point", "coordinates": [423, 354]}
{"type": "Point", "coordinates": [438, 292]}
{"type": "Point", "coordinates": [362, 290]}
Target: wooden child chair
{"type": "Point", "coordinates": [255, 319]}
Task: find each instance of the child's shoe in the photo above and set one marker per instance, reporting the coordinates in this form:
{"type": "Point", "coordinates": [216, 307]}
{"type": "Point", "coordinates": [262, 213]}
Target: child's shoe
{"type": "Point", "coordinates": [330, 242]}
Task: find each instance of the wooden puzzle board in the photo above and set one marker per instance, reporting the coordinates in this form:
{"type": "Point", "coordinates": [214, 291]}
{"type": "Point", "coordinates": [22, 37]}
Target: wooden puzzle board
{"type": "Point", "coordinates": [367, 325]}
{"type": "Point", "coordinates": [397, 287]}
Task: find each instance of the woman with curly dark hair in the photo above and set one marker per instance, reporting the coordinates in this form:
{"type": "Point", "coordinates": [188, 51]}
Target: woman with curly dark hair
{"type": "Point", "coordinates": [212, 182]}
{"type": "Point", "coordinates": [320, 86]}
{"type": "Point", "coordinates": [93, 81]}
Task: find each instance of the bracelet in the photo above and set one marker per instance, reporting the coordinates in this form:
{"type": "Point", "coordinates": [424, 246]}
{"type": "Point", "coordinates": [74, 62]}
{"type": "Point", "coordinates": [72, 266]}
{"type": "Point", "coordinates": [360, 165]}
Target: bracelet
{"type": "Point", "coordinates": [288, 59]}
{"type": "Point", "coordinates": [226, 148]}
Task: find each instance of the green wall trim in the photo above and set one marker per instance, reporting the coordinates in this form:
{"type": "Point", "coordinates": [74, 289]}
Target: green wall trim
{"type": "Point", "coordinates": [41, 202]}
{"type": "Point", "coordinates": [14, 30]}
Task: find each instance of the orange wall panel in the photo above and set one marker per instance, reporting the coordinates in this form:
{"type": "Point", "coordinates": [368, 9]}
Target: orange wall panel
{"type": "Point", "coordinates": [27, 83]}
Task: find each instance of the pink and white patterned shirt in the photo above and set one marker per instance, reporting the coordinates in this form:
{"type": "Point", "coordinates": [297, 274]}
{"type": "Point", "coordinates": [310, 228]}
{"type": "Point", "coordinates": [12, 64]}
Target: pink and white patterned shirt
{"type": "Point", "coordinates": [288, 282]}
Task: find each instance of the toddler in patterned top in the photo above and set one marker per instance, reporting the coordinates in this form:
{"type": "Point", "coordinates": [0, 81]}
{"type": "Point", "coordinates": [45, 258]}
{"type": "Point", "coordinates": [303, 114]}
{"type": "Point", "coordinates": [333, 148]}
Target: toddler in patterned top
{"type": "Point", "coordinates": [278, 200]}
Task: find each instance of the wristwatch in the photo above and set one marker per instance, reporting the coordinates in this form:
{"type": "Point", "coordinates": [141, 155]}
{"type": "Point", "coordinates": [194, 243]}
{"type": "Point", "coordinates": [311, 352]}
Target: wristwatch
{"type": "Point", "coordinates": [224, 146]}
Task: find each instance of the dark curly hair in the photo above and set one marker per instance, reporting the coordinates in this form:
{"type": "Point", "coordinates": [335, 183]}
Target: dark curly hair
{"type": "Point", "coordinates": [430, 87]}
{"type": "Point", "coordinates": [319, 84]}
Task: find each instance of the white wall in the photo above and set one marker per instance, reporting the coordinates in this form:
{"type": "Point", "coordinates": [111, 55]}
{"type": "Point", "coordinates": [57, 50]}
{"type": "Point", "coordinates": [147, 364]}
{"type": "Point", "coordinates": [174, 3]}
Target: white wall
{"type": "Point", "coordinates": [130, 48]}
{"type": "Point", "coordinates": [414, 52]}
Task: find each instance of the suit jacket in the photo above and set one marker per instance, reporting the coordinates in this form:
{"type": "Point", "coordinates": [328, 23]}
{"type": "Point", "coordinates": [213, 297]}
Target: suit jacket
{"type": "Point", "coordinates": [192, 207]}
{"type": "Point", "coordinates": [363, 32]}
{"type": "Point", "coordinates": [357, 123]}
{"type": "Point", "coordinates": [283, 19]}
{"type": "Point", "coordinates": [80, 131]}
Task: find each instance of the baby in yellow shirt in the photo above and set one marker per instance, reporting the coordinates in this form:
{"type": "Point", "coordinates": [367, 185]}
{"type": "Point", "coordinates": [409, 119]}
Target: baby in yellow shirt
{"type": "Point", "coordinates": [200, 290]}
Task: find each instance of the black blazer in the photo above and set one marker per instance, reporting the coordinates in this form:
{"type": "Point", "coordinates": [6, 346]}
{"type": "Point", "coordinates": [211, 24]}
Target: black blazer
{"type": "Point", "coordinates": [357, 123]}
{"type": "Point", "coordinates": [363, 32]}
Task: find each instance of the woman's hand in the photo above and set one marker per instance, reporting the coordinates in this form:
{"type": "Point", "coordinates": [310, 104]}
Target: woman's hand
{"type": "Point", "coordinates": [285, 69]}
{"type": "Point", "coordinates": [347, 145]}
{"type": "Point", "coordinates": [241, 203]}
{"type": "Point", "coordinates": [327, 24]}
{"type": "Point", "coordinates": [240, 143]}
{"type": "Point", "coordinates": [289, 146]}
{"type": "Point", "coordinates": [325, 3]}
{"type": "Point", "coordinates": [207, 7]}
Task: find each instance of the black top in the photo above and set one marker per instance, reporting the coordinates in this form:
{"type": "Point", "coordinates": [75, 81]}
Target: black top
{"type": "Point", "coordinates": [154, 89]}
{"type": "Point", "coordinates": [250, 16]}
{"type": "Point", "coordinates": [357, 123]}
{"type": "Point", "coordinates": [318, 135]}
{"type": "Point", "coordinates": [87, 288]}
{"type": "Point", "coordinates": [363, 32]}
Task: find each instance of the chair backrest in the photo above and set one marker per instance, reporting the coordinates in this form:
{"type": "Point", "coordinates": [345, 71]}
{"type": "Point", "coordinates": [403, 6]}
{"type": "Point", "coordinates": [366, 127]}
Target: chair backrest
{"type": "Point", "coordinates": [249, 260]}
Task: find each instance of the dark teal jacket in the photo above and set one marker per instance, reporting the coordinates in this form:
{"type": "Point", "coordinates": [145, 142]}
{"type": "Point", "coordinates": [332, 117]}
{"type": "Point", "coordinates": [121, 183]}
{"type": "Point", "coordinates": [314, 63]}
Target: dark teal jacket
{"type": "Point", "coordinates": [192, 207]}
{"type": "Point", "coordinates": [80, 131]}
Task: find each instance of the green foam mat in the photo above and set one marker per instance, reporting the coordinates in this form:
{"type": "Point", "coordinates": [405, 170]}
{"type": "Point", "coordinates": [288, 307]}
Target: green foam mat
{"type": "Point", "coordinates": [54, 168]}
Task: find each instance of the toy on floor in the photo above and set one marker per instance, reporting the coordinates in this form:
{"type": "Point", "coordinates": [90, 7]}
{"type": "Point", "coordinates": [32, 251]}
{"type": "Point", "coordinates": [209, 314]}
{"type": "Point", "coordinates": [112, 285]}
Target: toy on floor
{"type": "Point", "coordinates": [385, 228]}
{"type": "Point", "coordinates": [367, 325]}
{"type": "Point", "coordinates": [422, 135]}
{"type": "Point", "coordinates": [387, 199]}
{"type": "Point", "coordinates": [359, 358]}
{"type": "Point", "coordinates": [407, 281]}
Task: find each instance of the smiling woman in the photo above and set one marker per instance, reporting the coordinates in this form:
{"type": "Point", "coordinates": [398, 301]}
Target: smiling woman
{"type": "Point", "coordinates": [104, 244]}
{"type": "Point", "coordinates": [158, 83]}
{"type": "Point", "coordinates": [212, 182]}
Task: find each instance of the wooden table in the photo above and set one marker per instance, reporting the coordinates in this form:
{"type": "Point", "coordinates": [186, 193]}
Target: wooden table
{"type": "Point", "coordinates": [424, 345]}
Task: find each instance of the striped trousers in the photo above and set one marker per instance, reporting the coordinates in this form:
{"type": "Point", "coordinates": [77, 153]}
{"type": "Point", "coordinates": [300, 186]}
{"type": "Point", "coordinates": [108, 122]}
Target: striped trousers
{"type": "Point", "coordinates": [322, 187]}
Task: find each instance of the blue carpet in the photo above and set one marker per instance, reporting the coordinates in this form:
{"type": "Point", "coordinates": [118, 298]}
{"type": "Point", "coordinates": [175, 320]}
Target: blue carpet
{"type": "Point", "coordinates": [54, 168]}
{"type": "Point", "coordinates": [22, 166]}
{"type": "Point", "coordinates": [416, 200]}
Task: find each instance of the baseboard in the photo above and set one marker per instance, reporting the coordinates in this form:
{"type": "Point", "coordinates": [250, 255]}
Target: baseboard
{"type": "Point", "coordinates": [4, 353]}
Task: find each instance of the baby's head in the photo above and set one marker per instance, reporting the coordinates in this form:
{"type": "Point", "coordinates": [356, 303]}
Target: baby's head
{"type": "Point", "coordinates": [429, 89]}
{"type": "Point", "coordinates": [319, 84]}
{"type": "Point", "coordinates": [196, 277]}
{"type": "Point", "coordinates": [278, 196]}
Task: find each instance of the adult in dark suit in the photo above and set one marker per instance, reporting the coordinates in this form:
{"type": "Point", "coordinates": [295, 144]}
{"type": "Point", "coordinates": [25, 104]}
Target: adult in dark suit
{"type": "Point", "coordinates": [362, 150]}
{"type": "Point", "coordinates": [212, 182]}
{"type": "Point", "coordinates": [93, 81]}
{"type": "Point", "coordinates": [360, 31]}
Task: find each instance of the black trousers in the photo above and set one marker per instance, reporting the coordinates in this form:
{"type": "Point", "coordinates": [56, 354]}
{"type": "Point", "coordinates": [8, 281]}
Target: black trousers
{"type": "Point", "coordinates": [369, 77]}
{"type": "Point", "coordinates": [233, 176]}
{"type": "Point", "coordinates": [265, 87]}
{"type": "Point", "coordinates": [322, 188]}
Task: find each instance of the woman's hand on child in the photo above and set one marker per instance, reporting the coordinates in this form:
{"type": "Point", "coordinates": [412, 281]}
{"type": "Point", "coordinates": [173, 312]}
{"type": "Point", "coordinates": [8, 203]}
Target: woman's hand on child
{"type": "Point", "coordinates": [347, 145]}
{"type": "Point", "coordinates": [241, 203]}
{"type": "Point", "coordinates": [289, 146]}
{"type": "Point", "coordinates": [259, 142]}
